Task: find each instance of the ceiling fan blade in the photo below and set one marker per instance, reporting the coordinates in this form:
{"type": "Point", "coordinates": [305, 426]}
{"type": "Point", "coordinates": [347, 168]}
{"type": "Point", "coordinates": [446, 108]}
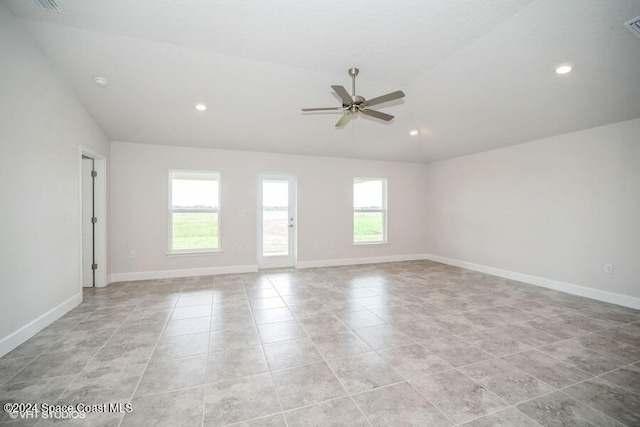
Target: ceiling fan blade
{"type": "Point", "coordinates": [384, 98]}
{"type": "Point", "coordinates": [344, 120]}
{"type": "Point", "coordinates": [377, 115]}
{"type": "Point", "coordinates": [322, 109]}
{"type": "Point", "coordinates": [343, 94]}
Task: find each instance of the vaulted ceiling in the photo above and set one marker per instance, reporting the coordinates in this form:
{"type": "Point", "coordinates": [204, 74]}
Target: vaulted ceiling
{"type": "Point", "coordinates": [478, 74]}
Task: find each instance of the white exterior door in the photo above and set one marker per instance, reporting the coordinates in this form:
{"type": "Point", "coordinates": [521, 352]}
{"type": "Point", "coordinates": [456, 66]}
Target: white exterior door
{"type": "Point", "coordinates": [276, 221]}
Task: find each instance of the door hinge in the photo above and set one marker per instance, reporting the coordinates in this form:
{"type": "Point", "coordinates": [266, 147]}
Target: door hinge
{"type": "Point", "coordinates": [94, 266]}
{"type": "Point", "coordinates": [94, 174]}
{"type": "Point", "coordinates": [94, 220]}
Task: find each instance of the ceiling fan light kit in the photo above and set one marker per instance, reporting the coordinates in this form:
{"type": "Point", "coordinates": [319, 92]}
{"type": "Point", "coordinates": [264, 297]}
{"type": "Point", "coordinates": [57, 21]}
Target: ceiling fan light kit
{"type": "Point", "coordinates": [353, 104]}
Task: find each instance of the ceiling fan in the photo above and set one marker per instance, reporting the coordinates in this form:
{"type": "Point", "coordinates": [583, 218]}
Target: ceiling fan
{"type": "Point", "coordinates": [352, 104]}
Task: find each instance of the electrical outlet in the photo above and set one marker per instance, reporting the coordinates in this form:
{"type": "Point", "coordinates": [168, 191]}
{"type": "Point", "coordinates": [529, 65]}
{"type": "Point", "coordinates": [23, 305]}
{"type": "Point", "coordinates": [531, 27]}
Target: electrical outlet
{"type": "Point", "coordinates": [608, 268]}
{"type": "Point", "coordinates": [133, 254]}
{"type": "Point", "coordinates": [240, 249]}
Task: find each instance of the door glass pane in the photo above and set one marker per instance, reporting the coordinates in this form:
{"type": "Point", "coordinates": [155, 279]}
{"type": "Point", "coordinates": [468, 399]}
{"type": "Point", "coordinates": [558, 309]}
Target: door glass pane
{"type": "Point", "coordinates": [275, 217]}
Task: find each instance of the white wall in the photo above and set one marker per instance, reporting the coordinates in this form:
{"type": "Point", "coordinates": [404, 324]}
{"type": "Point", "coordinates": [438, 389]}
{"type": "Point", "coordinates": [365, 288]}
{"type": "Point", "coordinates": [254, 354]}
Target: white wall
{"type": "Point", "coordinates": [139, 206]}
{"type": "Point", "coordinates": [558, 208]}
{"type": "Point", "coordinates": [41, 127]}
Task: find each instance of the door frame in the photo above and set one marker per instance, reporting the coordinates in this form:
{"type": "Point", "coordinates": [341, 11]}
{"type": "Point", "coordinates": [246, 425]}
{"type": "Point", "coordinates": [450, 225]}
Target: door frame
{"type": "Point", "coordinates": [278, 261]}
{"type": "Point", "coordinates": [100, 211]}
{"type": "Point", "coordinates": [88, 226]}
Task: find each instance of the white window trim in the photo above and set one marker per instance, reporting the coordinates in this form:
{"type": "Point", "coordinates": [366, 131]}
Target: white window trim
{"type": "Point", "coordinates": [192, 252]}
{"type": "Point", "coordinates": [384, 209]}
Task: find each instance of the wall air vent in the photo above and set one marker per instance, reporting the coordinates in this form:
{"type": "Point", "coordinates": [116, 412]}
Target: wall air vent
{"type": "Point", "coordinates": [634, 26]}
{"type": "Point", "coordinates": [49, 5]}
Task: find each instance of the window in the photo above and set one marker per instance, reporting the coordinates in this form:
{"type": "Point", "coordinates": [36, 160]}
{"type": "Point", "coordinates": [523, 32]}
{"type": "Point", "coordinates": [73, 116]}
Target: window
{"type": "Point", "coordinates": [194, 205]}
{"type": "Point", "coordinates": [369, 210]}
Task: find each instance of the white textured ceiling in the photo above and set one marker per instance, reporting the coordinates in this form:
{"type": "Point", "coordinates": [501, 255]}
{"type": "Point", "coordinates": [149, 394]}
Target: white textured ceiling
{"type": "Point", "coordinates": [478, 74]}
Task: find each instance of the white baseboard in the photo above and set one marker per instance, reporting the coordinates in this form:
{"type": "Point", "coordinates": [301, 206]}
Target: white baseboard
{"type": "Point", "coordinates": [358, 261]}
{"type": "Point", "coordinates": [569, 288]}
{"type": "Point", "coordinates": [16, 338]}
{"type": "Point", "coordinates": [188, 272]}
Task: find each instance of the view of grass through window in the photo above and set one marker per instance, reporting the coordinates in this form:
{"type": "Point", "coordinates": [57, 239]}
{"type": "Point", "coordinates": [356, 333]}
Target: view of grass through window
{"type": "Point", "coordinates": [367, 227]}
{"type": "Point", "coordinates": [195, 231]}
{"type": "Point", "coordinates": [194, 210]}
{"type": "Point", "coordinates": [368, 210]}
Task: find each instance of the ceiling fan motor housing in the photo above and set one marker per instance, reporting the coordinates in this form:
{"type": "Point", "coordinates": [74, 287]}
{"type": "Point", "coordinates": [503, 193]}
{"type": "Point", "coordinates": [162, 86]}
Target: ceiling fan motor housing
{"type": "Point", "coordinates": [355, 104]}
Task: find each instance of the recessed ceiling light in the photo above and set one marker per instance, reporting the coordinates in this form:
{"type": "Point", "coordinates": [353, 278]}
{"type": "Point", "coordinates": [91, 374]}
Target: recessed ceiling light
{"type": "Point", "coordinates": [564, 69]}
{"type": "Point", "coordinates": [413, 132]}
{"type": "Point", "coordinates": [201, 107]}
{"type": "Point", "coordinates": [101, 81]}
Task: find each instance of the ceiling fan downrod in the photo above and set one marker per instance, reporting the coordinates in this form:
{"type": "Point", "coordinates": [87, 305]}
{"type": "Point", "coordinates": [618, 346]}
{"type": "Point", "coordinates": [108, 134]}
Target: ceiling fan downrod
{"type": "Point", "coordinates": [356, 100]}
{"type": "Point", "coordinates": [353, 72]}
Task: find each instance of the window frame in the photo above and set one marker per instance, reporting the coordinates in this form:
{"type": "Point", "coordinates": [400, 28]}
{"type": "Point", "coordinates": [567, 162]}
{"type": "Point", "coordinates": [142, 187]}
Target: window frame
{"type": "Point", "coordinates": [171, 211]}
{"type": "Point", "coordinates": [383, 210]}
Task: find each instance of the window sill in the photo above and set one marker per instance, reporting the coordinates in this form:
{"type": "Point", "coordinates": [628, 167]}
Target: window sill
{"type": "Point", "coordinates": [194, 253]}
{"type": "Point", "coordinates": [371, 243]}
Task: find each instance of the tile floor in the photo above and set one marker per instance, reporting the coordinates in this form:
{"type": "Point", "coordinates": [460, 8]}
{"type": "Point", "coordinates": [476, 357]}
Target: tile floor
{"type": "Point", "coordinates": [414, 343]}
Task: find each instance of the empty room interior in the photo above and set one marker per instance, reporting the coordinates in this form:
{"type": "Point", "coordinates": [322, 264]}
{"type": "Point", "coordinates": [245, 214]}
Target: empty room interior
{"type": "Point", "coordinates": [296, 213]}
